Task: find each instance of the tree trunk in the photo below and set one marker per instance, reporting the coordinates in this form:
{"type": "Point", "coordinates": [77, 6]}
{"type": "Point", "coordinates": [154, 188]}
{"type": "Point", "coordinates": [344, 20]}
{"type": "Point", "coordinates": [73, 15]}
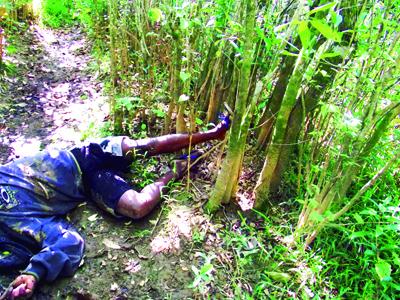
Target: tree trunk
{"type": "Point", "coordinates": [229, 174]}
{"type": "Point", "coordinates": [264, 181]}
{"type": "Point", "coordinates": [267, 121]}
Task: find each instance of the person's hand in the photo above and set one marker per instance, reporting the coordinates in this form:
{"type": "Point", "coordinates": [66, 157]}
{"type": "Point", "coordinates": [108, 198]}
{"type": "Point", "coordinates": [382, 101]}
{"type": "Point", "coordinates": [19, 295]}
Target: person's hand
{"type": "Point", "coordinates": [181, 165]}
{"type": "Point", "coordinates": [23, 287]}
{"type": "Point", "coordinates": [179, 168]}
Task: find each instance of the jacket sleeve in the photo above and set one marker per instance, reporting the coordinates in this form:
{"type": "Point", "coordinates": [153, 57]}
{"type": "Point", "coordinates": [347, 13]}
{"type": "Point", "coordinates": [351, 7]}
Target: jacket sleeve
{"type": "Point", "coordinates": [62, 250]}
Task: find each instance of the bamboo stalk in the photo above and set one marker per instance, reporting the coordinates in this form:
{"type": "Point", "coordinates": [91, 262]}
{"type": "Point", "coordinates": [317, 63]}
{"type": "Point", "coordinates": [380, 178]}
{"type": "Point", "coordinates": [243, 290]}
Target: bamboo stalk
{"type": "Point", "coordinates": [228, 177]}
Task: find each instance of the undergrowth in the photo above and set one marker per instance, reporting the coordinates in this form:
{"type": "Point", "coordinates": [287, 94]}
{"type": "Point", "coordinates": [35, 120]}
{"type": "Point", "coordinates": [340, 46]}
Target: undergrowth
{"type": "Point", "coordinates": [357, 257]}
{"type": "Point", "coordinates": [57, 13]}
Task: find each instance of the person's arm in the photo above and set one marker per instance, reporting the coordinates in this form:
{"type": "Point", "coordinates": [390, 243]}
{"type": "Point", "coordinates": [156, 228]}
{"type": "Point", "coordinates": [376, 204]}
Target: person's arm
{"type": "Point", "coordinates": [136, 205]}
{"type": "Point", "coordinates": [62, 251]}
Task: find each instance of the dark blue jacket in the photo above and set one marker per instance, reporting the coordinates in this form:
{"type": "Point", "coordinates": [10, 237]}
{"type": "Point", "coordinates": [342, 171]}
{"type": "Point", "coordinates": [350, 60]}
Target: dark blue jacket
{"type": "Point", "coordinates": [34, 193]}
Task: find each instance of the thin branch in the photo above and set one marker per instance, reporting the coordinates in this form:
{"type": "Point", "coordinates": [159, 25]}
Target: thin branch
{"type": "Point", "coordinates": [366, 186]}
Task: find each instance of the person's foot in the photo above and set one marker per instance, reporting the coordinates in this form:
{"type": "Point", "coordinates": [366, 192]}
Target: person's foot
{"type": "Point", "coordinates": [222, 127]}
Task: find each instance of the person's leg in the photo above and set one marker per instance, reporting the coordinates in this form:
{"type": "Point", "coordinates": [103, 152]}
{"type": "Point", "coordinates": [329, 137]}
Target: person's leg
{"type": "Point", "coordinates": [136, 205]}
{"type": "Point", "coordinates": [112, 192]}
{"type": "Point", "coordinates": [116, 196]}
{"type": "Point", "coordinates": [173, 142]}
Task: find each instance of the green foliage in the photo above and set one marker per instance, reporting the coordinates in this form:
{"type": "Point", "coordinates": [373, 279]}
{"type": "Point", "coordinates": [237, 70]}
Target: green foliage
{"type": "Point", "coordinates": [8, 69]}
{"type": "Point", "coordinates": [92, 15]}
{"type": "Point", "coordinates": [198, 236]}
{"type": "Point", "coordinates": [141, 233]}
{"type": "Point", "coordinates": [155, 15]}
{"type": "Point", "coordinates": [354, 127]}
{"type": "Point", "coordinates": [364, 256]}
{"type": "Point", "coordinates": [326, 30]}
{"type": "Point", "coordinates": [11, 49]}
{"type": "Point", "coordinates": [11, 5]}
{"type": "Point", "coordinates": [128, 103]}
{"type": "Point", "coordinates": [266, 267]}
{"type": "Point", "coordinates": [143, 172]}
{"type": "Point", "coordinates": [57, 13]}
{"type": "Point", "coordinates": [95, 130]}
{"type": "Point", "coordinates": [205, 274]}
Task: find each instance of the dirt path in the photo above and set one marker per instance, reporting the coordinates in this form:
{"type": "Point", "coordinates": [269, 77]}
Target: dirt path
{"type": "Point", "coordinates": [52, 97]}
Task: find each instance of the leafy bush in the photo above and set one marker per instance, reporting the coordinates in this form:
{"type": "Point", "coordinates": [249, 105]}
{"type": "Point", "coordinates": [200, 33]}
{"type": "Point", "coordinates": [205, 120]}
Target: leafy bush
{"type": "Point", "coordinates": [91, 14]}
{"type": "Point", "coordinates": [57, 13]}
{"type": "Point", "coordinates": [363, 257]}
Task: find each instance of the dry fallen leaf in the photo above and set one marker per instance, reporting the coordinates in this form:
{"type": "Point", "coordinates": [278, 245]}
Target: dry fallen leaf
{"type": "Point", "coordinates": [93, 218]}
{"type": "Point", "coordinates": [114, 287]}
{"type": "Point", "coordinates": [133, 266]}
{"type": "Point", "coordinates": [111, 244]}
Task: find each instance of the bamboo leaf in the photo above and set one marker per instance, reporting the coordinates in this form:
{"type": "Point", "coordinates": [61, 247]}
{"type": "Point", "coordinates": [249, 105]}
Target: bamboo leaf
{"type": "Point", "coordinates": [206, 269]}
{"type": "Point", "coordinates": [234, 44]}
{"type": "Point", "coordinates": [281, 27]}
{"type": "Point", "coordinates": [330, 54]}
{"type": "Point", "coordinates": [358, 234]}
{"type": "Point", "coordinates": [315, 216]}
{"type": "Point", "coordinates": [155, 15]}
{"type": "Point", "coordinates": [285, 52]}
{"type": "Point", "coordinates": [383, 269]}
{"type": "Point", "coordinates": [324, 73]}
{"type": "Point", "coordinates": [395, 286]}
{"type": "Point", "coordinates": [378, 231]}
{"type": "Point", "coordinates": [369, 212]}
{"type": "Point", "coordinates": [358, 219]}
{"type": "Point", "coordinates": [184, 24]}
{"type": "Point", "coordinates": [396, 259]}
{"type": "Point", "coordinates": [278, 276]}
{"type": "Point", "coordinates": [184, 76]}
{"type": "Point", "coordinates": [326, 30]}
{"type": "Point", "coordinates": [304, 33]}
{"type": "Point", "coordinates": [336, 18]}
{"type": "Point", "coordinates": [322, 8]}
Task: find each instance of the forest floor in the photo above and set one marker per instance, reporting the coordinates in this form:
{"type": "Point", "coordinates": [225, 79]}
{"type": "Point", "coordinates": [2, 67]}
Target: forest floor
{"type": "Point", "coordinates": [53, 95]}
{"type": "Point", "coordinates": [49, 95]}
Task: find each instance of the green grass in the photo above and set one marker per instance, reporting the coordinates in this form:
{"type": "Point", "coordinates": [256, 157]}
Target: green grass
{"type": "Point", "coordinates": [356, 258]}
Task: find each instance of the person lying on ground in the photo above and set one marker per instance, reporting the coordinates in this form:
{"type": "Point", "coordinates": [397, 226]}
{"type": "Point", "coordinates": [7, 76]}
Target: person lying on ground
{"type": "Point", "coordinates": [37, 191]}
